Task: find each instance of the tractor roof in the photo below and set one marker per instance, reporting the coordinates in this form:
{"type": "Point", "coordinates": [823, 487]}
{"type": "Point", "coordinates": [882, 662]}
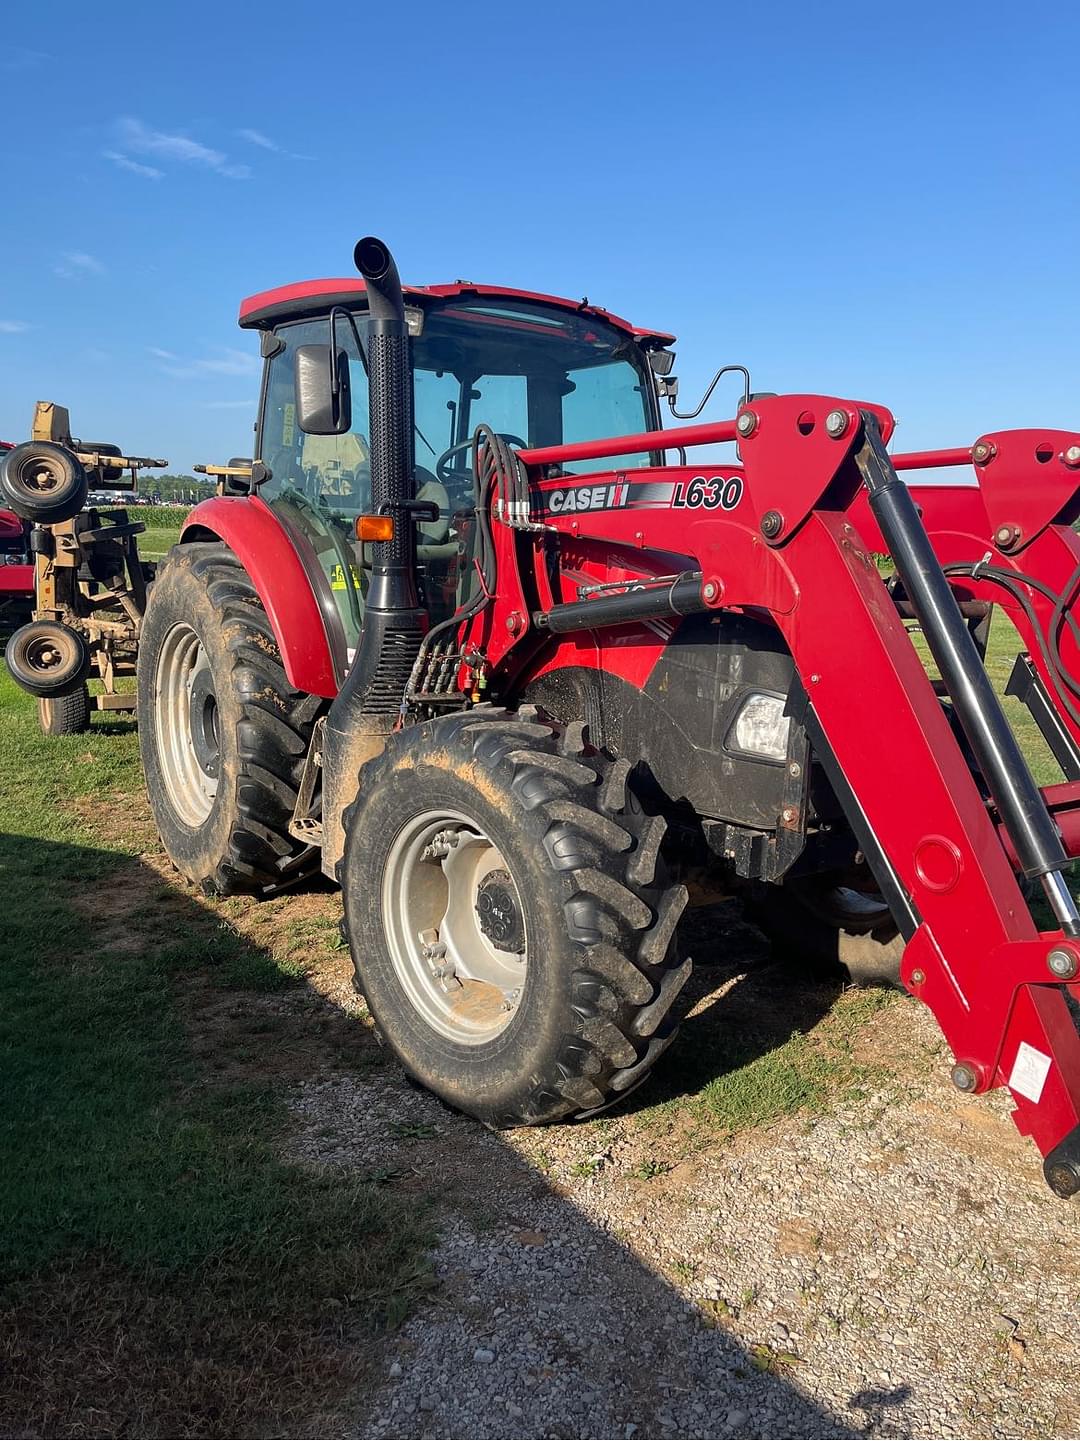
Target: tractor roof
{"type": "Point", "coordinates": [314, 297]}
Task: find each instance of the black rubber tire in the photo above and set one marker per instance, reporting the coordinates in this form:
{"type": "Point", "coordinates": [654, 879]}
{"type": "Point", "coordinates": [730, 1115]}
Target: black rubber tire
{"type": "Point", "coordinates": [264, 728]}
{"type": "Point", "coordinates": [65, 715]}
{"type": "Point", "coordinates": [819, 947]}
{"type": "Point", "coordinates": [70, 669]}
{"type": "Point", "coordinates": [598, 1006]}
{"type": "Point", "coordinates": [43, 482]}
{"type": "Point", "coordinates": [102, 447]}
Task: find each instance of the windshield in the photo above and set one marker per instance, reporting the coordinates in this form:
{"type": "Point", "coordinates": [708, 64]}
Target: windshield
{"type": "Point", "coordinates": [538, 374]}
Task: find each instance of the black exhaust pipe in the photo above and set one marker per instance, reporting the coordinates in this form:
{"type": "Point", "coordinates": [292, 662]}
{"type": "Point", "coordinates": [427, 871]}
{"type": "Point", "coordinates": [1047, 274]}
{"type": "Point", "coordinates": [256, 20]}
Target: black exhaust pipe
{"type": "Point", "coordinates": [395, 622]}
{"type": "Point", "coordinates": [393, 582]}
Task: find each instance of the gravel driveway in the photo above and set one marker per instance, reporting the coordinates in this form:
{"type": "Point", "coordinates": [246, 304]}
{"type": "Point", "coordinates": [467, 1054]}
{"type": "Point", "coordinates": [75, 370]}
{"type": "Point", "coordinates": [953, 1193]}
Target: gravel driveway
{"type": "Point", "coordinates": [891, 1264]}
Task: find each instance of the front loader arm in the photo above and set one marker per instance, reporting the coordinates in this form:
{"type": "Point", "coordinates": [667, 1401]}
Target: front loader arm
{"type": "Point", "coordinates": [1014, 526]}
{"type": "Point", "coordinates": [792, 547]}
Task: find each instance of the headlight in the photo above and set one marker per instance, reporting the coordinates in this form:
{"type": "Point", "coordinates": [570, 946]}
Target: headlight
{"type": "Point", "coordinates": [761, 728]}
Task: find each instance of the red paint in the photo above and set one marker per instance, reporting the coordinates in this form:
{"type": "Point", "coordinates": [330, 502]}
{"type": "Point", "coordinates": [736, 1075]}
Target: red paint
{"type": "Point", "coordinates": [982, 960]}
{"type": "Point", "coordinates": [269, 556]}
{"type": "Point", "coordinates": [930, 459]}
{"type": "Point", "coordinates": [304, 297]}
{"type": "Point", "coordinates": [716, 432]}
{"type": "Point", "coordinates": [17, 579]}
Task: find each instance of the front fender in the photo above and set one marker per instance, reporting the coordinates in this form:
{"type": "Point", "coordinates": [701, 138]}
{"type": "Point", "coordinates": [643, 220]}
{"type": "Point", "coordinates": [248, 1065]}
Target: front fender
{"type": "Point", "coordinates": [269, 555]}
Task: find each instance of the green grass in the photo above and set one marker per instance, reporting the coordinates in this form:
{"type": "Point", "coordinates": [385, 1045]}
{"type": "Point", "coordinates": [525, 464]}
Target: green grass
{"type": "Point", "coordinates": [161, 534]}
{"type": "Point", "coordinates": [156, 1253]}
{"type": "Point", "coordinates": [758, 1081]}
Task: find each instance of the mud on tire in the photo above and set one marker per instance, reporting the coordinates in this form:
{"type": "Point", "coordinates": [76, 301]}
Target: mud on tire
{"type": "Point", "coordinates": [599, 999]}
{"type": "Point", "coordinates": [232, 836]}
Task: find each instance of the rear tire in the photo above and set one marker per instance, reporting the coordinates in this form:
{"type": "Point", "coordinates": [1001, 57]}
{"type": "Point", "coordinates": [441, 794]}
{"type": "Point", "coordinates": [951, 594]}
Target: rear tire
{"type": "Point", "coordinates": [568, 889]}
{"type": "Point", "coordinates": [223, 735]}
{"type": "Point", "coordinates": [65, 715]}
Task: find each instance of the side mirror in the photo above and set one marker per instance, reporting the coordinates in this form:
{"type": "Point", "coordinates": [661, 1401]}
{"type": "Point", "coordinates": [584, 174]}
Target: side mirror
{"type": "Point", "coordinates": [323, 400]}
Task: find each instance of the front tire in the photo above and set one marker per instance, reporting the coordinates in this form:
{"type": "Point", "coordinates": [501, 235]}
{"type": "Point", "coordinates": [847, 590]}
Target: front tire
{"type": "Point", "coordinates": [223, 735]}
{"type": "Point", "coordinates": [510, 933]}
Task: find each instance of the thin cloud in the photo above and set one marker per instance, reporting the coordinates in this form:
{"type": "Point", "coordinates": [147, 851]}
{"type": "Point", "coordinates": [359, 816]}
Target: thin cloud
{"type": "Point", "coordinates": [160, 354]}
{"type": "Point", "coordinates": [256, 137]}
{"type": "Point", "coordinates": [76, 265]}
{"type": "Point", "coordinates": [18, 57]}
{"type": "Point", "coordinates": [13, 327]}
{"type": "Point", "coordinates": [133, 135]}
{"type": "Point", "coordinates": [227, 361]}
{"type": "Point", "coordinates": [125, 162]}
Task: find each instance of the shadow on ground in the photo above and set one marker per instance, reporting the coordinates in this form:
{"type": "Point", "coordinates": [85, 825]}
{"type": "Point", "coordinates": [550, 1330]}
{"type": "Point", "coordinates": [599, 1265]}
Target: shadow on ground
{"type": "Point", "coordinates": [219, 1200]}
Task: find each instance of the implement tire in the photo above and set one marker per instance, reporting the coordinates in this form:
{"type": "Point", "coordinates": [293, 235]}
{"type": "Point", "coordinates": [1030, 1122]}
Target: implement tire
{"type": "Point", "coordinates": [509, 926]}
{"type": "Point", "coordinates": [223, 735]}
{"type": "Point", "coordinates": [65, 715]}
{"type": "Point", "coordinates": [42, 482]}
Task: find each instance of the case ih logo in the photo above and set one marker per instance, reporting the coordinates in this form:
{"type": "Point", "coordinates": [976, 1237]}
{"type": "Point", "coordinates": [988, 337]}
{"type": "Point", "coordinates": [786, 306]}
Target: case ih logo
{"type": "Point", "coordinates": [714, 492]}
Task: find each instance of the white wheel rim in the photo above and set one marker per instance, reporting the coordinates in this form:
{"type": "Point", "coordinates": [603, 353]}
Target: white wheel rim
{"type": "Point", "coordinates": [190, 786]}
{"type": "Point", "coordinates": [464, 985]}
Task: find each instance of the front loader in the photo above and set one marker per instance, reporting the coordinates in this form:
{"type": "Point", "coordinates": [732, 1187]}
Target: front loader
{"type": "Point", "coordinates": [509, 703]}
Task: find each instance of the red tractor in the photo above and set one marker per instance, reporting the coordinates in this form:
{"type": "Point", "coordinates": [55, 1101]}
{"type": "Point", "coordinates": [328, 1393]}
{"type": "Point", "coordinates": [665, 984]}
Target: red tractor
{"type": "Point", "coordinates": [469, 644]}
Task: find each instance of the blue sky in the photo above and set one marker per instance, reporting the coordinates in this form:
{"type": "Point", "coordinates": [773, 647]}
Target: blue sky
{"type": "Point", "coordinates": [866, 200]}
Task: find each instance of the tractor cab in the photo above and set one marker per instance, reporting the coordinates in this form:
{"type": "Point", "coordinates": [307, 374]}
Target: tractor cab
{"type": "Point", "coordinates": [536, 369]}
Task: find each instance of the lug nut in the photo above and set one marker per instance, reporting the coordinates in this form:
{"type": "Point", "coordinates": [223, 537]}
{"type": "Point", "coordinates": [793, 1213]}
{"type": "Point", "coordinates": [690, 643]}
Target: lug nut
{"type": "Point", "coordinates": [746, 423]}
{"type": "Point", "coordinates": [772, 523]}
{"type": "Point", "coordinates": [836, 423]}
{"type": "Point", "coordinates": [983, 451]}
{"type": "Point", "coordinates": [1072, 456]}
{"type": "Point", "coordinates": [1061, 963]}
{"type": "Point", "coordinates": [964, 1078]}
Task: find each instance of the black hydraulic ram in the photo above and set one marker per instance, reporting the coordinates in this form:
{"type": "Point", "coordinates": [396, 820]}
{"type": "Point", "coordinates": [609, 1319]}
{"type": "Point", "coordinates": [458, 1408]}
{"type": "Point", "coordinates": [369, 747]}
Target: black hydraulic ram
{"type": "Point", "coordinates": [1018, 799]}
{"type": "Point", "coordinates": [669, 595]}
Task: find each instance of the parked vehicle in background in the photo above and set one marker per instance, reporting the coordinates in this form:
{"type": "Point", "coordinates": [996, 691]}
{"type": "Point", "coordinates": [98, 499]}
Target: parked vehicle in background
{"type": "Point", "coordinates": [87, 581]}
{"type": "Point", "coordinates": [16, 564]}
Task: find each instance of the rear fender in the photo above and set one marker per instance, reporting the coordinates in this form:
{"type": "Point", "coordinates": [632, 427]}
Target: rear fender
{"type": "Point", "coordinates": [284, 577]}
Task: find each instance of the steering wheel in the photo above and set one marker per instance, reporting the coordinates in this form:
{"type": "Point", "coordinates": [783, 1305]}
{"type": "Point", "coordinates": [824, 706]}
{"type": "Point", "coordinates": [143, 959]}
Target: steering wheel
{"type": "Point", "coordinates": [447, 473]}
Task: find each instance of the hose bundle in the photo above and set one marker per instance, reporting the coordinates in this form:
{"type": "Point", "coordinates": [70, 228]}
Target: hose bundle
{"type": "Point", "coordinates": [1014, 581]}
{"type": "Point", "coordinates": [493, 463]}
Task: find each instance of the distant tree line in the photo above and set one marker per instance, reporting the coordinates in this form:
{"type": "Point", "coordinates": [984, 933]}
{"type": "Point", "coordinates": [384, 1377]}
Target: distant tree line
{"type": "Point", "coordinates": [188, 488]}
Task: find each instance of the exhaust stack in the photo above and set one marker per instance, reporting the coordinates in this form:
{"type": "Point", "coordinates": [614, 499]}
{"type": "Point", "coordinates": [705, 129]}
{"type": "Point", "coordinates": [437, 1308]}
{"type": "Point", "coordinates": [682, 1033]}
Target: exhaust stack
{"type": "Point", "coordinates": [367, 706]}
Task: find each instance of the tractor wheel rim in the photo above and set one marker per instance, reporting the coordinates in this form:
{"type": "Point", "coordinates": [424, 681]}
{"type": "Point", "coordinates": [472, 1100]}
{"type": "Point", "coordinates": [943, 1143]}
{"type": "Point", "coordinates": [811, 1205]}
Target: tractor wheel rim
{"type": "Point", "coordinates": [448, 899]}
{"type": "Point", "coordinates": [186, 719]}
